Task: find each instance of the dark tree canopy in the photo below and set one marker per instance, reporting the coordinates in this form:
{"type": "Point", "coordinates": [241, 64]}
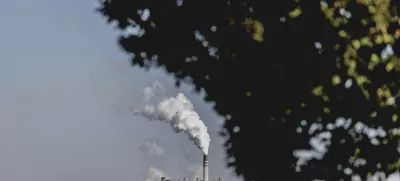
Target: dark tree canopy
{"type": "Point", "coordinates": [293, 75]}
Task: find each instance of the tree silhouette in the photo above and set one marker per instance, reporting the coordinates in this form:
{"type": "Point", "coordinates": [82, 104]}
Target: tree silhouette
{"type": "Point", "coordinates": [308, 88]}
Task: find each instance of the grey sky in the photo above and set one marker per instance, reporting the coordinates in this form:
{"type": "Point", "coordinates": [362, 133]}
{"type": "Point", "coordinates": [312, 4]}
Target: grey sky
{"type": "Point", "coordinates": [66, 91]}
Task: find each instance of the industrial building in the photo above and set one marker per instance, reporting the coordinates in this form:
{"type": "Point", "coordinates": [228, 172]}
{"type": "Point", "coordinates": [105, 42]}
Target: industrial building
{"type": "Point", "coordinates": [205, 172]}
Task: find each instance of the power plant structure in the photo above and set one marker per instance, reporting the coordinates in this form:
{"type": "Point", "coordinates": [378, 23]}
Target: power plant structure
{"type": "Point", "coordinates": [205, 167]}
{"type": "Point", "coordinates": [205, 172]}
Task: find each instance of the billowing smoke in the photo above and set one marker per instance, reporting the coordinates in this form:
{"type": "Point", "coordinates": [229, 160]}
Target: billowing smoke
{"type": "Point", "coordinates": [152, 148]}
{"type": "Point", "coordinates": [155, 174]}
{"type": "Point", "coordinates": [152, 90]}
{"type": "Point", "coordinates": [179, 112]}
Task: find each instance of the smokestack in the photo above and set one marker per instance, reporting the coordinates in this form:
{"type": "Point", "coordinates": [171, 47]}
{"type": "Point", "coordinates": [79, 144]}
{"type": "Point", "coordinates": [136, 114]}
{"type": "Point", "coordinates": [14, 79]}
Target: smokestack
{"type": "Point", "coordinates": [205, 167]}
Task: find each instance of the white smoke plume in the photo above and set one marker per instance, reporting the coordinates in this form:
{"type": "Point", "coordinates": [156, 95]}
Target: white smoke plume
{"type": "Point", "coordinates": [152, 148]}
{"type": "Point", "coordinates": [152, 90]}
{"type": "Point", "coordinates": [155, 174]}
{"type": "Point", "coordinates": [179, 112]}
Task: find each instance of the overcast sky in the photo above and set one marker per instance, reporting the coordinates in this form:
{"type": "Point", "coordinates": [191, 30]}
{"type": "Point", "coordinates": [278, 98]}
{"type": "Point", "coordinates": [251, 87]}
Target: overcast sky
{"type": "Point", "coordinates": [66, 90]}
